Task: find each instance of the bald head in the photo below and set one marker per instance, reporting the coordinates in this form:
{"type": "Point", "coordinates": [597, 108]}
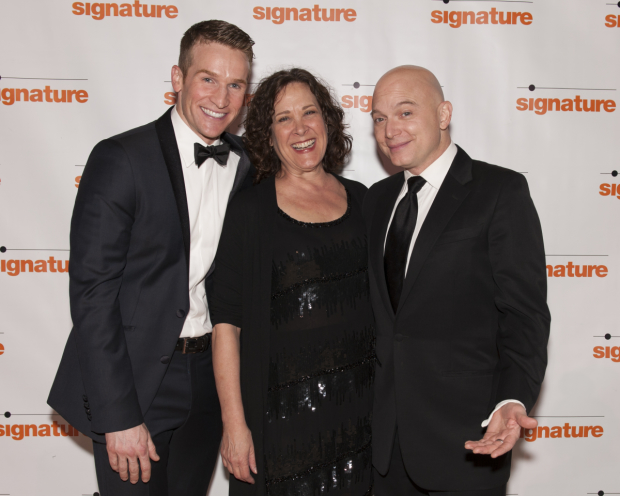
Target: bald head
{"type": "Point", "coordinates": [411, 117]}
{"type": "Point", "coordinates": [416, 76]}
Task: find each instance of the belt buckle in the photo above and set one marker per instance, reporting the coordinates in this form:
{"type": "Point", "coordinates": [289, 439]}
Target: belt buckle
{"type": "Point", "coordinates": [194, 345]}
{"type": "Point", "coordinates": [190, 345]}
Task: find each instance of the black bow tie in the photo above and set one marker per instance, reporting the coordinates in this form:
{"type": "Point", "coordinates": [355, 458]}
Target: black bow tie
{"type": "Point", "coordinates": [219, 153]}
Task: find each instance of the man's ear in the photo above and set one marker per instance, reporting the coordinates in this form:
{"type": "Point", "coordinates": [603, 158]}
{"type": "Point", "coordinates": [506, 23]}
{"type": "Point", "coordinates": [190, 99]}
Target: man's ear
{"type": "Point", "coordinates": [445, 115]}
{"type": "Point", "coordinates": [177, 78]}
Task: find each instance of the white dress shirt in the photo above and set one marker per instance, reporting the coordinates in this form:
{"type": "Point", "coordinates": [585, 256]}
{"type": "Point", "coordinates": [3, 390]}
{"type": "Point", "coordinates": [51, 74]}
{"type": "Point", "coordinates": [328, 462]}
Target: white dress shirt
{"type": "Point", "coordinates": [207, 188]}
{"type": "Point", "coordinates": [434, 175]}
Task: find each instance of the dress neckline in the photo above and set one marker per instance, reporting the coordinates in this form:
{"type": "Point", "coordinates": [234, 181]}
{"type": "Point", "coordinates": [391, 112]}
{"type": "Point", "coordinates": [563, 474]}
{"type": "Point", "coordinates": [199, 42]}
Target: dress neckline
{"type": "Point", "coordinates": [320, 224]}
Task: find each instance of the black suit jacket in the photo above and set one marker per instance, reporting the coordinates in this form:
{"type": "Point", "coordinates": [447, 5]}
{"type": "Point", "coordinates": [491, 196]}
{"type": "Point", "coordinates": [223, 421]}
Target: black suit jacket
{"type": "Point", "coordinates": [129, 277]}
{"type": "Point", "coordinates": [471, 328]}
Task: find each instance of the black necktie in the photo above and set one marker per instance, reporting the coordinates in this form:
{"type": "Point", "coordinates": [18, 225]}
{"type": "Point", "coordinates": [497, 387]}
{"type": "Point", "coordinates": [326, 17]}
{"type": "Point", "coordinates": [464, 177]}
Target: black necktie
{"type": "Point", "coordinates": [219, 153]}
{"type": "Point", "coordinates": [399, 238]}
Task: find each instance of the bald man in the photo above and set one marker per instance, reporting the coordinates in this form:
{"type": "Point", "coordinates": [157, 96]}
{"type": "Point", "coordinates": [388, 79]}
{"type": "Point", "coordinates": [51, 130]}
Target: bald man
{"type": "Point", "coordinates": [458, 288]}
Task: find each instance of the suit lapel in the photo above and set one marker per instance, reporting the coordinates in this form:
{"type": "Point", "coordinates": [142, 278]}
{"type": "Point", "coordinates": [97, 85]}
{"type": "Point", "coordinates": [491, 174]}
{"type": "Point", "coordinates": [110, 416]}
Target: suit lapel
{"type": "Point", "coordinates": [170, 151]}
{"type": "Point", "coordinates": [243, 176]}
{"type": "Point", "coordinates": [453, 191]}
{"type": "Point", "coordinates": [378, 231]}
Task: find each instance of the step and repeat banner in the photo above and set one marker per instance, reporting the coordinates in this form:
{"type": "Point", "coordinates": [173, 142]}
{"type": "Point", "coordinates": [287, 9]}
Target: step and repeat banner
{"type": "Point", "coordinates": [535, 87]}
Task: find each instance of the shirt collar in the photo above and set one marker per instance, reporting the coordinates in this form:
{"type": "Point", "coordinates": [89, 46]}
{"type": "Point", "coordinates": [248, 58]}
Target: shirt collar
{"type": "Point", "coordinates": [186, 139]}
{"type": "Point", "coordinates": [437, 171]}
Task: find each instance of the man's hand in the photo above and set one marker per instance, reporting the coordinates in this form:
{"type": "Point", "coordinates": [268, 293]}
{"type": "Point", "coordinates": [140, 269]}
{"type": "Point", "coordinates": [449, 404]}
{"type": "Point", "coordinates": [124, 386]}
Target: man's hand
{"type": "Point", "coordinates": [237, 450]}
{"type": "Point", "coordinates": [126, 448]}
{"type": "Point", "coordinates": [503, 431]}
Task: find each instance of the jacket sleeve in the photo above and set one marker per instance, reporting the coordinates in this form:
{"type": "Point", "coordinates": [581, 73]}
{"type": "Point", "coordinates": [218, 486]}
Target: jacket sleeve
{"type": "Point", "coordinates": [100, 235]}
{"type": "Point", "coordinates": [225, 305]}
{"type": "Point", "coordinates": [517, 259]}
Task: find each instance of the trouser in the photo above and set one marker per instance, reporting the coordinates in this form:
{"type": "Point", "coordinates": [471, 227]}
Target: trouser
{"type": "Point", "coordinates": [186, 427]}
{"type": "Point", "coordinates": [398, 483]}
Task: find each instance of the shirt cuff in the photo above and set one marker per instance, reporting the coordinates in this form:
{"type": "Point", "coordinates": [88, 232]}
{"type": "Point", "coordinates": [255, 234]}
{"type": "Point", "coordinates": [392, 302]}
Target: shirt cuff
{"type": "Point", "coordinates": [499, 405]}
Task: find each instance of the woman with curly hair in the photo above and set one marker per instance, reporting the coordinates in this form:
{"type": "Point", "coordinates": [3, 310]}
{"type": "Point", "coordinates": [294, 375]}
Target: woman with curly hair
{"type": "Point", "coordinates": [293, 343]}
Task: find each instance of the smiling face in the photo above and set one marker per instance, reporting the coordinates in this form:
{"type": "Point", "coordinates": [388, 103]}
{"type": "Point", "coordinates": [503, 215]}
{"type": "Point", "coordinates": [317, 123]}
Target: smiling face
{"type": "Point", "coordinates": [410, 118]}
{"type": "Point", "coordinates": [211, 94]}
{"type": "Point", "coordinates": [298, 133]}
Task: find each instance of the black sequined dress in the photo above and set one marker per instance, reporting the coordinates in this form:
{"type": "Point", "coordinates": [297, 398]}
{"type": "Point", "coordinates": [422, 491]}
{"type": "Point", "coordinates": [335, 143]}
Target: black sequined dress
{"type": "Point", "coordinates": [318, 415]}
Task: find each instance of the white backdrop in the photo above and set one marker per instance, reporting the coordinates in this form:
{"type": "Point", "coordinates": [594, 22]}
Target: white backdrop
{"type": "Point", "coordinates": [566, 49]}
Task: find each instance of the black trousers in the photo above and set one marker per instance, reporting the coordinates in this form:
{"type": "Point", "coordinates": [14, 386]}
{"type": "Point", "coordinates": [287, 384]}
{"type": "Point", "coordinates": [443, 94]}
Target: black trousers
{"type": "Point", "coordinates": [398, 483]}
{"type": "Point", "coordinates": [186, 426]}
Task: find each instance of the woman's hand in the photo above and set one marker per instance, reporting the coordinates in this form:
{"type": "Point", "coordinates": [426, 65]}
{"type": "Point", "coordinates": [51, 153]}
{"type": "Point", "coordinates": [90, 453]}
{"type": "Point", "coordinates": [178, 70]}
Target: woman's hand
{"type": "Point", "coordinates": [237, 447]}
{"type": "Point", "coordinates": [237, 451]}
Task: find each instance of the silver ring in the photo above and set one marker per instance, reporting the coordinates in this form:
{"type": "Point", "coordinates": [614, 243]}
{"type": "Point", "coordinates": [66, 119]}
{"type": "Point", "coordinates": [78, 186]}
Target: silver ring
{"type": "Point", "coordinates": [501, 440]}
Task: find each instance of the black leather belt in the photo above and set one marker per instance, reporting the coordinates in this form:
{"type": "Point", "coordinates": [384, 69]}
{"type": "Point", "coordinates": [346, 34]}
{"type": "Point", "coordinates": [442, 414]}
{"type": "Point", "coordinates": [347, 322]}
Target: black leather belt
{"type": "Point", "coordinates": [193, 345]}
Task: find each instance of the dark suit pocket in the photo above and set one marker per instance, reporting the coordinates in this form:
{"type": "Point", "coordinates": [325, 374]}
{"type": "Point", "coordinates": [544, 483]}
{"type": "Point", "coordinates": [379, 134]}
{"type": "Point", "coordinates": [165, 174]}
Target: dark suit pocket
{"type": "Point", "coordinates": [459, 235]}
{"type": "Point", "coordinates": [467, 373]}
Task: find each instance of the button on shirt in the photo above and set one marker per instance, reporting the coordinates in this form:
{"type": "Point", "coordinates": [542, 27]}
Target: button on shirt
{"type": "Point", "coordinates": [207, 188]}
{"type": "Point", "coordinates": [434, 175]}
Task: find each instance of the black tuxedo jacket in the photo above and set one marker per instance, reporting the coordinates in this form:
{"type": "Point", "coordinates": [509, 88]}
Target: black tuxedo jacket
{"type": "Point", "coordinates": [129, 277]}
{"type": "Point", "coordinates": [471, 328]}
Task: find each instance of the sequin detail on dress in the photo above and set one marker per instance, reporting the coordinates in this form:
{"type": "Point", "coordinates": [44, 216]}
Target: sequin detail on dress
{"type": "Point", "coordinates": [317, 431]}
{"type": "Point", "coordinates": [319, 479]}
{"type": "Point", "coordinates": [313, 280]}
{"type": "Point", "coordinates": [363, 361]}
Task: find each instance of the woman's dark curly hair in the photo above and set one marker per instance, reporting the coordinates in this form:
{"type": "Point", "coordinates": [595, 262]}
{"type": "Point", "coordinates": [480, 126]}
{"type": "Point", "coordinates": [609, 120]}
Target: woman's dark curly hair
{"type": "Point", "coordinates": [259, 120]}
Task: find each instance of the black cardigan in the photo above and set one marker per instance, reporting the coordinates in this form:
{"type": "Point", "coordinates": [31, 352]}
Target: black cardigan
{"type": "Point", "coordinates": [242, 297]}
